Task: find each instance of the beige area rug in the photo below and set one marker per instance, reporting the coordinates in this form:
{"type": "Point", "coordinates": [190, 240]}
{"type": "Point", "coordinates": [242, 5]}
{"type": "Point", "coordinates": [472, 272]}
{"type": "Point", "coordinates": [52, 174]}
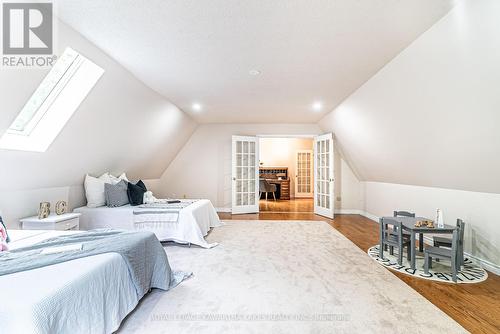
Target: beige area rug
{"type": "Point", "coordinates": [284, 277]}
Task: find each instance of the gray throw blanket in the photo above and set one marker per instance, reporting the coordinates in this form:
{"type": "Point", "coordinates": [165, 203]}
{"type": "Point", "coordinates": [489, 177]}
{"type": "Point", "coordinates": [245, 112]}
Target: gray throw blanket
{"type": "Point", "coordinates": [144, 255]}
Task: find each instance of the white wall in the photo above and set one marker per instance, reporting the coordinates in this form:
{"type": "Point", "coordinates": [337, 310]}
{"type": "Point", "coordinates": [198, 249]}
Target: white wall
{"type": "Point", "coordinates": [349, 191]}
{"type": "Point", "coordinates": [283, 152]}
{"type": "Point", "coordinates": [122, 125]}
{"type": "Point", "coordinates": [202, 169]}
{"type": "Point", "coordinates": [478, 210]}
{"type": "Point", "coordinates": [430, 117]}
{"type": "Point", "coordinates": [17, 204]}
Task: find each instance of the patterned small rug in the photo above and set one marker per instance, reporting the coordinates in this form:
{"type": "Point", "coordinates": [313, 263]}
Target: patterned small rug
{"type": "Point", "coordinates": [440, 271]}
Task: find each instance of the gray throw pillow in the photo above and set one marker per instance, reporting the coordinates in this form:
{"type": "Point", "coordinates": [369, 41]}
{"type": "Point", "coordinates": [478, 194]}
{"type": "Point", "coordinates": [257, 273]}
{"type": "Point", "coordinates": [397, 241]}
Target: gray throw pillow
{"type": "Point", "coordinates": [116, 194]}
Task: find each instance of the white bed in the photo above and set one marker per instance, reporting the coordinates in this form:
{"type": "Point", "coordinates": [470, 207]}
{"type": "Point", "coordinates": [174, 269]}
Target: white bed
{"type": "Point", "coordinates": [195, 221]}
{"type": "Point", "coordinates": [87, 295]}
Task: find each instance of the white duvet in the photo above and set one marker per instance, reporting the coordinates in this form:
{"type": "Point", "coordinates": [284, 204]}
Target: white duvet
{"type": "Point", "coordinates": [87, 295]}
{"type": "Point", "coordinates": [195, 221]}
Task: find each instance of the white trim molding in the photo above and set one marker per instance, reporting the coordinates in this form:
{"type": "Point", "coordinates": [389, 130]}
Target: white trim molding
{"type": "Point", "coordinates": [370, 216]}
{"type": "Point", "coordinates": [349, 212]}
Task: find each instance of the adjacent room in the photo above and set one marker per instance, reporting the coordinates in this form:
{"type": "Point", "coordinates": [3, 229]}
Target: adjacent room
{"type": "Point", "coordinates": [286, 178]}
{"type": "Point", "coordinates": [278, 166]}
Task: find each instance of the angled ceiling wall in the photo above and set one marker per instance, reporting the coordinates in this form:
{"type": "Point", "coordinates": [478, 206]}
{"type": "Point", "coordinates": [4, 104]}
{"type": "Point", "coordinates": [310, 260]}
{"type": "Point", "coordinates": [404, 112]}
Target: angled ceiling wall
{"type": "Point", "coordinates": [122, 125]}
{"type": "Point", "coordinates": [202, 51]}
{"type": "Point", "coordinates": [431, 116]}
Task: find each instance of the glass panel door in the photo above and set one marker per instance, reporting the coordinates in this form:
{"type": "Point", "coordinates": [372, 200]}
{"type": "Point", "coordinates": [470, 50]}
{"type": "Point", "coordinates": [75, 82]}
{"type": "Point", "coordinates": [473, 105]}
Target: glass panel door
{"type": "Point", "coordinates": [303, 174]}
{"type": "Point", "coordinates": [323, 175]}
{"type": "Point", "coordinates": [245, 175]}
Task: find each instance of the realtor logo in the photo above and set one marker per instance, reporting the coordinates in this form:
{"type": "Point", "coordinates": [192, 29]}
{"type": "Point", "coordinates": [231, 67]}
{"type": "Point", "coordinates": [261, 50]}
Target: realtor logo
{"type": "Point", "coordinates": [27, 28]}
{"type": "Point", "coordinates": [27, 34]}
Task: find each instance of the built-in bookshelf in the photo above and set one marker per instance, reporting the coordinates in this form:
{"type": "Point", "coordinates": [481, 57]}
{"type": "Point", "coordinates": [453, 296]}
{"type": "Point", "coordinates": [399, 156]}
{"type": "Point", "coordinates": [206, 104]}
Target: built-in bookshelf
{"type": "Point", "coordinates": [275, 171]}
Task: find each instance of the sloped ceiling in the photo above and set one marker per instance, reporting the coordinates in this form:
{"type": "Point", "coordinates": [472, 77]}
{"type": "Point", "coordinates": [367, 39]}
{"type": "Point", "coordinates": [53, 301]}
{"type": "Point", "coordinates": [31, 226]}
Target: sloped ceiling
{"type": "Point", "coordinates": [202, 51]}
{"type": "Point", "coordinates": [431, 116]}
{"type": "Point", "coordinates": [122, 125]}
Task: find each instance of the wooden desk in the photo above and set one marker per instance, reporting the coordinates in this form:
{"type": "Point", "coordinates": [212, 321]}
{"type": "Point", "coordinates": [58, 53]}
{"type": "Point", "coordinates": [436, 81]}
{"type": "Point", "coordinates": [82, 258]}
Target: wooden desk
{"type": "Point", "coordinates": [284, 187]}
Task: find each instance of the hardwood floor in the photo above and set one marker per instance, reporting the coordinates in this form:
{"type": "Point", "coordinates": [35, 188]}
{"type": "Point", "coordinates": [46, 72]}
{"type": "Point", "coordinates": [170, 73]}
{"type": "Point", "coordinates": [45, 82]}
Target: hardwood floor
{"type": "Point", "coordinates": [475, 306]}
{"type": "Point", "coordinates": [293, 205]}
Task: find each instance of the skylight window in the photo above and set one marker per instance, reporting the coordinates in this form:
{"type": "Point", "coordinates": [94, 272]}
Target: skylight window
{"type": "Point", "coordinates": [52, 104]}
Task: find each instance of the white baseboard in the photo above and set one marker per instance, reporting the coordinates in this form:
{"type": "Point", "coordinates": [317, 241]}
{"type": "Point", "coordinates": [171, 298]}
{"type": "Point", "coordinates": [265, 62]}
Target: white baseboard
{"type": "Point", "coordinates": [348, 212]}
{"type": "Point", "coordinates": [491, 267]}
{"type": "Point", "coordinates": [494, 268]}
{"type": "Point", "coordinates": [370, 216]}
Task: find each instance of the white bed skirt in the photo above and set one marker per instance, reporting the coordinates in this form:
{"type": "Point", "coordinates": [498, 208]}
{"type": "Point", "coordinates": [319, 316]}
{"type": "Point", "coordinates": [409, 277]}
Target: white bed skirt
{"type": "Point", "coordinates": [195, 221]}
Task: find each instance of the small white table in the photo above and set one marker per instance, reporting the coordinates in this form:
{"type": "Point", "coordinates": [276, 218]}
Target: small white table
{"type": "Point", "coordinates": [64, 222]}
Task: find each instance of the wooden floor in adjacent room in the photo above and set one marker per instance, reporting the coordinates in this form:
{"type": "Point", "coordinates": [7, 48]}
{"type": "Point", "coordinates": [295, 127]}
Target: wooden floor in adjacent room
{"type": "Point", "coordinates": [475, 306]}
{"type": "Point", "coordinates": [289, 206]}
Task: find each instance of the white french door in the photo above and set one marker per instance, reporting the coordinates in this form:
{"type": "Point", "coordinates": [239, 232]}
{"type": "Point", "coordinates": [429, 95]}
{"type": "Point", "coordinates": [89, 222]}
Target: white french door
{"type": "Point", "coordinates": [323, 175]}
{"type": "Point", "coordinates": [245, 175]}
{"type": "Point", "coordinates": [304, 173]}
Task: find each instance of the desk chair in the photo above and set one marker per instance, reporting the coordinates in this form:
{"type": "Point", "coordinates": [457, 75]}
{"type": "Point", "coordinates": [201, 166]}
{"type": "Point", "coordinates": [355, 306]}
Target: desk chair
{"type": "Point", "coordinates": [266, 187]}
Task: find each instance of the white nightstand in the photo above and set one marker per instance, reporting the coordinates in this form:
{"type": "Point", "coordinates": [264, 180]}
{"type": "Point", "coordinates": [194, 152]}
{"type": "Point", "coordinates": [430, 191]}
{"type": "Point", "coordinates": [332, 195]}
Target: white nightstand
{"type": "Point", "coordinates": [64, 222]}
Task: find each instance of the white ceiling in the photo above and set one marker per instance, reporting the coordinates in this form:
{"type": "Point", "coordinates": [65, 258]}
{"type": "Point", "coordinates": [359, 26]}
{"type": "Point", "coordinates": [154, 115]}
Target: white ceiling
{"type": "Point", "coordinates": [201, 51]}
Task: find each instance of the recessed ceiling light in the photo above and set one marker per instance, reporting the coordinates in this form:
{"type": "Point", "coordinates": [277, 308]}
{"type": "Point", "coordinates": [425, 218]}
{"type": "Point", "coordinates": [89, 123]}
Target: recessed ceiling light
{"type": "Point", "coordinates": [254, 72]}
{"type": "Point", "coordinates": [196, 106]}
{"type": "Point", "coordinates": [317, 106]}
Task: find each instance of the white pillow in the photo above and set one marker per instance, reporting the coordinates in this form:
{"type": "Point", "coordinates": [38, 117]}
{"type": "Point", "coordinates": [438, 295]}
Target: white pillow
{"type": "Point", "coordinates": [115, 180]}
{"type": "Point", "coordinates": [94, 190]}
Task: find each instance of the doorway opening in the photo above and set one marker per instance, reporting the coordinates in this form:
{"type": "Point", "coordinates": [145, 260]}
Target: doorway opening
{"type": "Point", "coordinates": [286, 174]}
{"type": "Point", "coordinates": [273, 173]}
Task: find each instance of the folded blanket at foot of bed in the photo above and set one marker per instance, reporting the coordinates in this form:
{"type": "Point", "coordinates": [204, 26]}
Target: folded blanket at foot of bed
{"type": "Point", "coordinates": [159, 214]}
{"type": "Point", "coordinates": [156, 218]}
{"type": "Point", "coordinates": [146, 259]}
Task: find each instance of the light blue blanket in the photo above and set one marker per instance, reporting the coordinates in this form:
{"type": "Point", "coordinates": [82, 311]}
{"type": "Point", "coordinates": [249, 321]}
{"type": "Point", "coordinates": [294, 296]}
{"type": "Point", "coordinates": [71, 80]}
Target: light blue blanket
{"type": "Point", "coordinates": [144, 255]}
